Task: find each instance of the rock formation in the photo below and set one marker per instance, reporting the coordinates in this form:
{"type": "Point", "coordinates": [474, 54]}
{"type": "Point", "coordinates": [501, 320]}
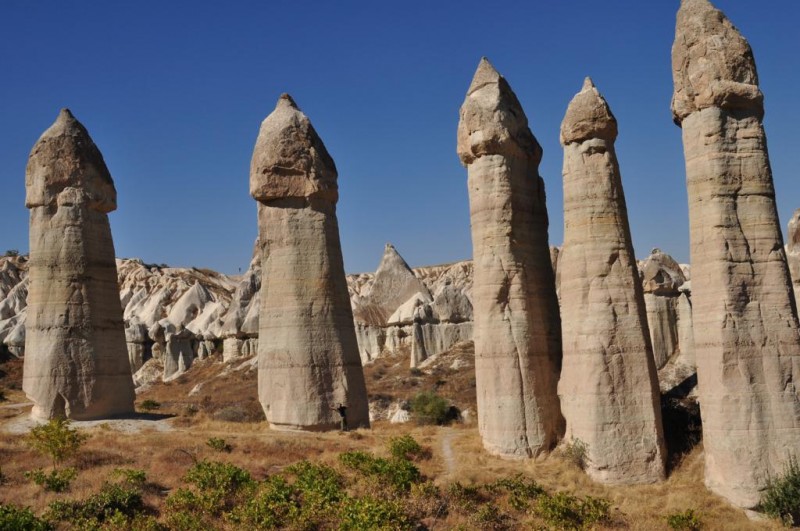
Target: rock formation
{"type": "Point", "coordinates": [308, 353]}
{"type": "Point", "coordinates": [793, 252]}
{"type": "Point", "coordinates": [608, 388]}
{"type": "Point", "coordinates": [76, 362]}
{"type": "Point", "coordinates": [517, 330]}
{"type": "Point", "coordinates": [745, 324]}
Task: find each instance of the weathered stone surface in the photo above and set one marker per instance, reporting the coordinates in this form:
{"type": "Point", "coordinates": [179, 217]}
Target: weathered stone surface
{"type": "Point", "coordinates": [609, 387]}
{"type": "Point", "coordinates": [307, 349]}
{"type": "Point", "coordinates": [793, 252]}
{"type": "Point", "coordinates": [76, 362]}
{"type": "Point", "coordinates": [393, 285]}
{"type": "Point", "coordinates": [516, 330]}
{"type": "Point", "coordinates": [745, 324]}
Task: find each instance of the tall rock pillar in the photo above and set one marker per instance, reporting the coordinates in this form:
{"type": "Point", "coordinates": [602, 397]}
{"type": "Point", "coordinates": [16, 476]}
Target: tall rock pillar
{"type": "Point", "coordinates": [76, 359]}
{"type": "Point", "coordinates": [609, 386]}
{"type": "Point", "coordinates": [745, 325]}
{"type": "Point", "coordinates": [517, 328]}
{"type": "Point", "coordinates": [308, 361]}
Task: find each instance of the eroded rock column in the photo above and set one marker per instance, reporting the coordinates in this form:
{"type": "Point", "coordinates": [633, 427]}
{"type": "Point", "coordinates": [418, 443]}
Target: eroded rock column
{"type": "Point", "coordinates": [308, 361]}
{"type": "Point", "coordinates": [745, 326]}
{"type": "Point", "coordinates": [76, 359]}
{"type": "Point", "coordinates": [609, 386]}
{"type": "Point", "coordinates": [517, 329]}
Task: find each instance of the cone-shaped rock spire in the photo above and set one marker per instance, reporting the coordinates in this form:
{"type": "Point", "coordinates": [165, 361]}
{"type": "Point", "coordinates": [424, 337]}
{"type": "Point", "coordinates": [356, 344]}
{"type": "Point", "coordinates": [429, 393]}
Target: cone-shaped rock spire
{"type": "Point", "coordinates": [517, 327]}
{"type": "Point", "coordinates": [609, 387]}
{"type": "Point", "coordinates": [308, 358]}
{"type": "Point", "coordinates": [746, 331]}
{"type": "Point", "coordinates": [76, 360]}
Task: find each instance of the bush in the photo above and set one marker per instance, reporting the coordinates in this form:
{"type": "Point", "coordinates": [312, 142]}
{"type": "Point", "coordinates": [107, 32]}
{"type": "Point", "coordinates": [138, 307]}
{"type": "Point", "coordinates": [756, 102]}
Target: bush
{"type": "Point", "coordinates": [576, 452]}
{"type": "Point", "coordinates": [114, 503]}
{"type": "Point", "coordinates": [565, 511]}
{"type": "Point", "coordinates": [405, 447]}
{"type": "Point", "coordinates": [687, 520]}
{"type": "Point", "coordinates": [131, 476]}
{"type": "Point", "coordinates": [274, 506]}
{"type": "Point", "coordinates": [371, 513]}
{"type": "Point", "coordinates": [56, 439]}
{"type": "Point", "coordinates": [781, 498]}
{"type": "Point", "coordinates": [319, 490]}
{"type": "Point", "coordinates": [521, 491]}
{"type": "Point", "coordinates": [219, 445]}
{"type": "Point", "coordinates": [429, 408]}
{"type": "Point", "coordinates": [13, 518]}
{"type": "Point", "coordinates": [57, 480]}
{"type": "Point", "coordinates": [400, 473]}
{"type": "Point", "coordinates": [149, 405]}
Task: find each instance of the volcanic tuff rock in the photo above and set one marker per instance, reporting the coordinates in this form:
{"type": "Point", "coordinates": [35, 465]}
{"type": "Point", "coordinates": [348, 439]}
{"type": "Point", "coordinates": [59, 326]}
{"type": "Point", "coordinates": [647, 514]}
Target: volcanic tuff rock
{"type": "Point", "coordinates": [793, 252]}
{"type": "Point", "coordinates": [516, 330]}
{"type": "Point", "coordinates": [608, 387]}
{"type": "Point", "coordinates": [76, 362]}
{"type": "Point", "coordinates": [308, 353]}
{"type": "Point", "coordinates": [745, 327]}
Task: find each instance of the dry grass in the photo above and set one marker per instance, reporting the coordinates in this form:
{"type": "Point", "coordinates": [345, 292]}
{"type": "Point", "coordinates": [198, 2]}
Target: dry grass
{"type": "Point", "coordinates": [166, 456]}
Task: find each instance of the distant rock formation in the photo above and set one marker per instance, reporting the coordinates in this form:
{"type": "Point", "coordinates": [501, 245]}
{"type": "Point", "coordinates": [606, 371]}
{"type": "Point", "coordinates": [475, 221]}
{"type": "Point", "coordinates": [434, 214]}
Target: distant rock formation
{"type": "Point", "coordinates": [609, 387]}
{"type": "Point", "coordinates": [667, 296]}
{"type": "Point", "coordinates": [307, 350]}
{"type": "Point", "coordinates": [517, 330]}
{"type": "Point", "coordinates": [745, 324]}
{"type": "Point", "coordinates": [76, 362]}
{"type": "Point", "coordinates": [792, 252]}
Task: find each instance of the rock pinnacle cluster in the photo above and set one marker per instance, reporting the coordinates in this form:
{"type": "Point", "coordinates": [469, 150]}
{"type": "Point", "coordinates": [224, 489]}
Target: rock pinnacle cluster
{"type": "Point", "coordinates": [76, 360]}
{"type": "Point", "coordinates": [516, 329]}
{"type": "Point", "coordinates": [609, 386]}
{"type": "Point", "coordinates": [745, 326]}
{"type": "Point", "coordinates": [308, 358]}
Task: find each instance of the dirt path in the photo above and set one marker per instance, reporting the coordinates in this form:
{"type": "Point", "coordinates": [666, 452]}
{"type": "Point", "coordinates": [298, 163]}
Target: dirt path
{"type": "Point", "coordinates": [447, 451]}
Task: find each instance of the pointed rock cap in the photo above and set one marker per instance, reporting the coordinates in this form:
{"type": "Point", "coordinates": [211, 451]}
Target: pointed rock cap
{"type": "Point", "coordinates": [588, 116]}
{"type": "Point", "coordinates": [66, 160]}
{"type": "Point", "coordinates": [712, 64]}
{"type": "Point", "coordinates": [492, 121]}
{"type": "Point", "coordinates": [289, 159]}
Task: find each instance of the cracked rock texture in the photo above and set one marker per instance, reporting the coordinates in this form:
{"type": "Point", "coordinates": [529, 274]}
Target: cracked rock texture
{"type": "Point", "coordinates": [307, 350]}
{"type": "Point", "coordinates": [745, 325]}
{"type": "Point", "coordinates": [517, 330]}
{"type": "Point", "coordinates": [609, 387]}
{"type": "Point", "coordinates": [76, 361]}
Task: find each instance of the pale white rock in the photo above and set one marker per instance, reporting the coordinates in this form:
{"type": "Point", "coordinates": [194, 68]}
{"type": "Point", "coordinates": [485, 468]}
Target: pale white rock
{"type": "Point", "coordinates": [609, 388]}
{"type": "Point", "coordinates": [517, 331]}
{"type": "Point", "coordinates": [746, 338]}
{"type": "Point", "coordinates": [76, 361]}
{"type": "Point", "coordinates": [307, 349]}
{"type": "Point", "coordinates": [793, 252]}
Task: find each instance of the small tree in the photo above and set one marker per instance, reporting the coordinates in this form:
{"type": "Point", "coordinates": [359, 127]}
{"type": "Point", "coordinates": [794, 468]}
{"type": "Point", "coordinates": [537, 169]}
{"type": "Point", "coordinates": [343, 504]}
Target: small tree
{"type": "Point", "coordinates": [57, 440]}
{"type": "Point", "coordinates": [429, 408]}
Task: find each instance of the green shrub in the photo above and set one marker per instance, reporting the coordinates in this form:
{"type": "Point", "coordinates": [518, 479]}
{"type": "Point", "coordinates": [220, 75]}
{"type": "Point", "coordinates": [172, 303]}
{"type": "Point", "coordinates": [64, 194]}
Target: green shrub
{"type": "Point", "coordinates": [133, 477]}
{"type": "Point", "coordinates": [521, 490]}
{"type": "Point", "coordinates": [13, 518]}
{"type": "Point", "coordinates": [687, 520]}
{"type": "Point", "coordinates": [220, 445]}
{"type": "Point", "coordinates": [429, 408]}
{"type": "Point", "coordinates": [149, 405]}
{"type": "Point", "coordinates": [464, 496]}
{"type": "Point", "coordinates": [319, 490]}
{"type": "Point", "coordinates": [489, 516]}
{"type": "Point", "coordinates": [114, 503]}
{"type": "Point", "coordinates": [57, 480]}
{"type": "Point", "coordinates": [274, 506]}
{"type": "Point", "coordinates": [565, 511]}
{"type": "Point", "coordinates": [781, 498]}
{"type": "Point", "coordinates": [375, 514]}
{"type": "Point", "coordinates": [56, 439]}
{"type": "Point", "coordinates": [400, 473]}
{"type": "Point", "coordinates": [405, 447]}
{"type": "Point", "coordinates": [576, 452]}
{"type": "Point", "coordinates": [219, 486]}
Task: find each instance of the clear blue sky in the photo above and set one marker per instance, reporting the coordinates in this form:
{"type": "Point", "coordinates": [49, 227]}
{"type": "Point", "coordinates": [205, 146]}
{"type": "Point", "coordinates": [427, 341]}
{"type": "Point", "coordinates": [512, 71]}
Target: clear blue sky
{"type": "Point", "coordinates": [173, 93]}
